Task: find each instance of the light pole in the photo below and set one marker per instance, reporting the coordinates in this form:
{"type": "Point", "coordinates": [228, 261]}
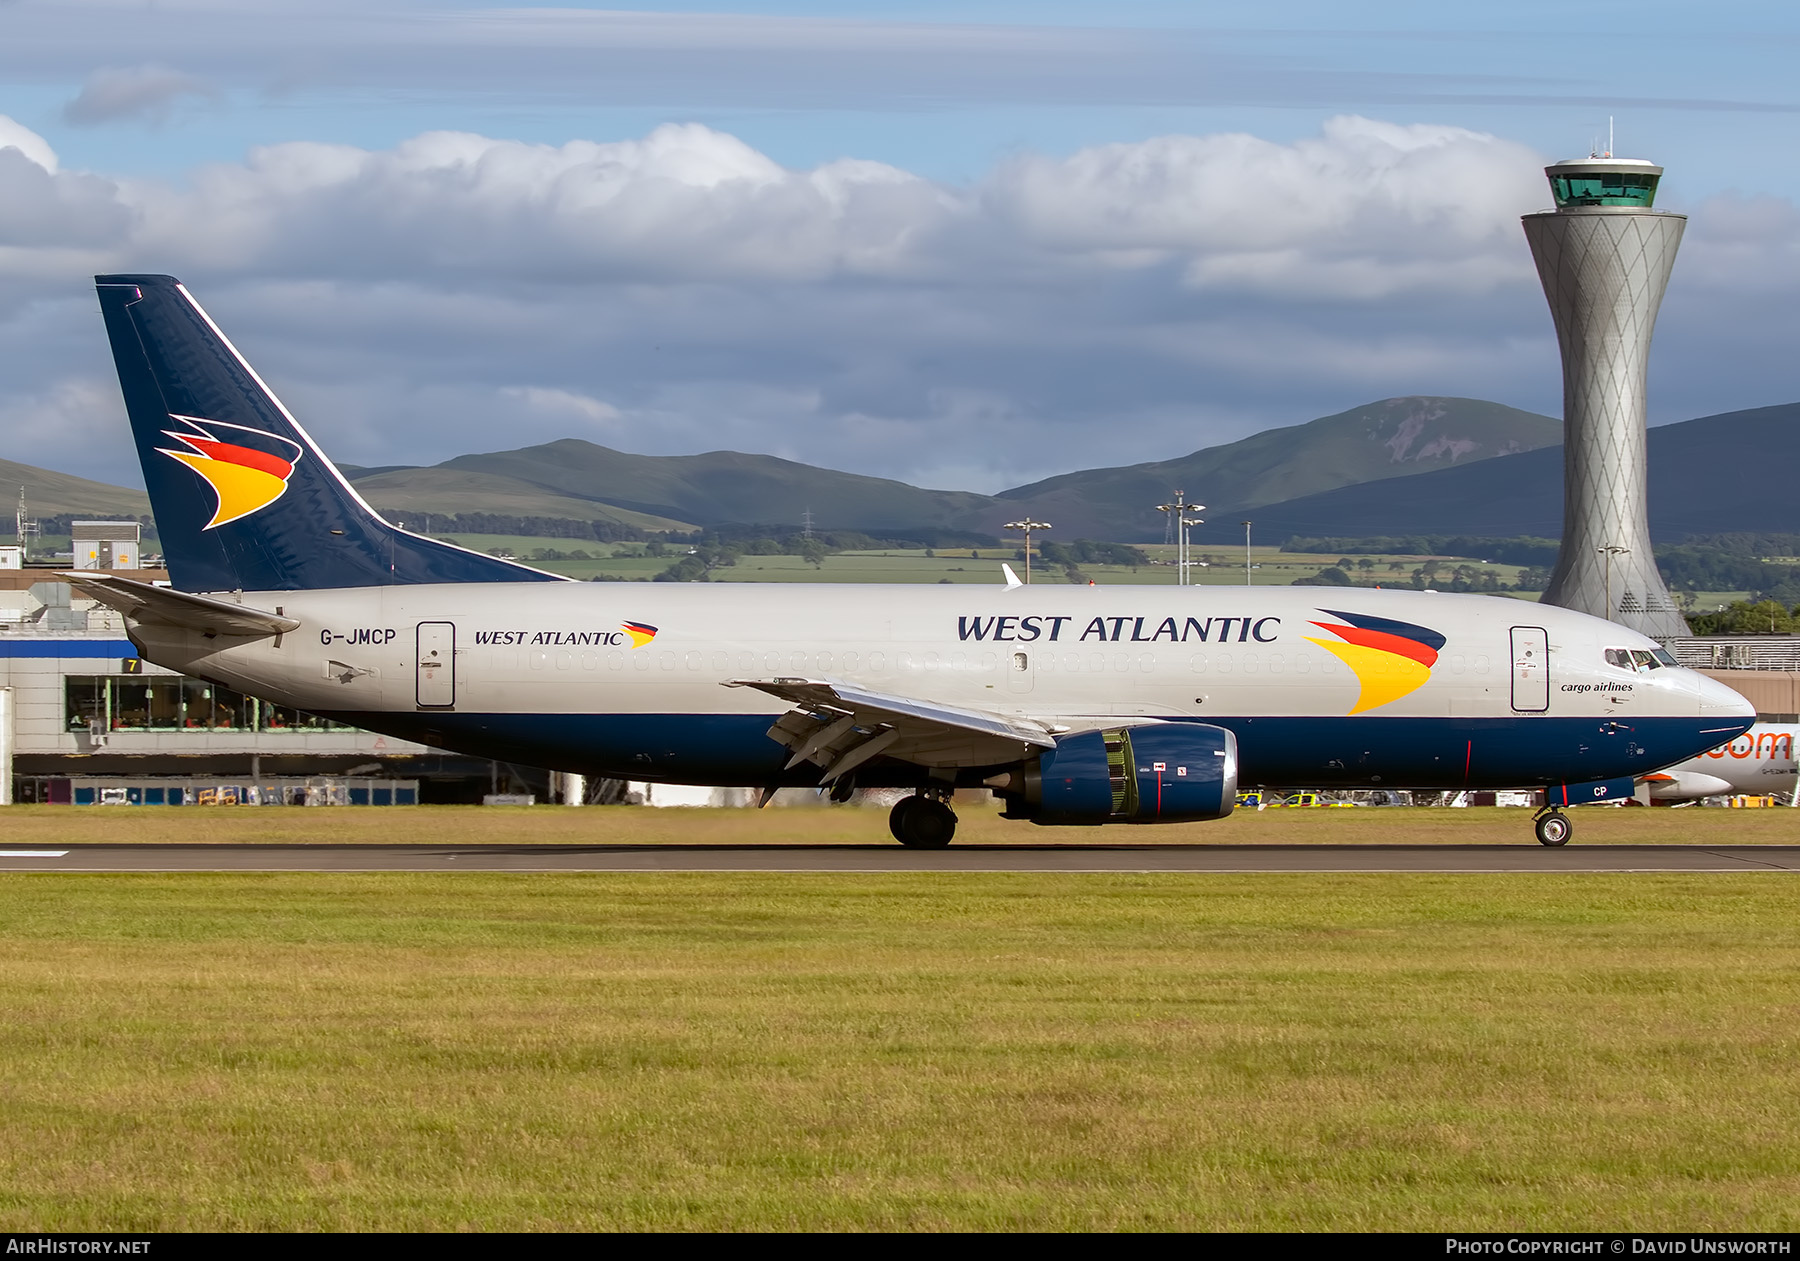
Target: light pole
{"type": "Point", "coordinates": [1025, 526]}
{"type": "Point", "coordinates": [1610, 550]}
{"type": "Point", "coordinates": [1181, 507]}
{"type": "Point", "coordinates": [1246, 553]}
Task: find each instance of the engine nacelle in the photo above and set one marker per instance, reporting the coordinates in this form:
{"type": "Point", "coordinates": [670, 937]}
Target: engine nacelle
{"type": "Point", "coordinates": [1153, 773]}
{"type": "Point", "coordinates": [1687, 786]}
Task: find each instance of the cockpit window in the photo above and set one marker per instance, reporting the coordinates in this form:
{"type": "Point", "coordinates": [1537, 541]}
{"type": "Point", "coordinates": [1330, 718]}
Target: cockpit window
{"type": "Point", "coordinates": [1643, 660]}
{"type": "Point", "coordinates": [1620, 657]}
{"type": "Point", "coordinates": [1665, 656]}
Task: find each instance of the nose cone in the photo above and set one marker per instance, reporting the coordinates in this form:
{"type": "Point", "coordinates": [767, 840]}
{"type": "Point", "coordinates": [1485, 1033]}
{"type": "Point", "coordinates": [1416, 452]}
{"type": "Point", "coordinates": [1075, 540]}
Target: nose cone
{"type": "Point", "coordinates": [1719, 701]}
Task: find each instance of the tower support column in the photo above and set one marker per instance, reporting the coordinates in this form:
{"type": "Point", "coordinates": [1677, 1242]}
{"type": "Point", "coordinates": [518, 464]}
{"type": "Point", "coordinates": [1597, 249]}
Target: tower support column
{"type": "Point", "coordinates": [1604, 257]}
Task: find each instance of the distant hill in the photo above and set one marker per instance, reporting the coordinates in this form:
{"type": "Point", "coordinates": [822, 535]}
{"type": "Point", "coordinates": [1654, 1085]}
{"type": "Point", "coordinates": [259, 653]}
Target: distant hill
{"type": "Point", "coordinates": [49, 494]}
{"type": "Point", "coordinates": [408, 493]}
{"type": "Point", "coordinates": [1397, 437]}
{"type": "Point", "coordinates": [1402, 466]}
{"type": "Point", "coordinates": [573, 478]}
{"type": "Point", "coordinates": [718, 487]}
{"type": "Point", "coordinates": [1737, 471]}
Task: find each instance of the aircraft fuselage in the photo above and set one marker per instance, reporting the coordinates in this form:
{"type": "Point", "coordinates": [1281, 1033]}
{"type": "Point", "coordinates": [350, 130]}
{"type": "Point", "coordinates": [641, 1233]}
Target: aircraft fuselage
{"type": "Point", "coordinates": [631, 680]}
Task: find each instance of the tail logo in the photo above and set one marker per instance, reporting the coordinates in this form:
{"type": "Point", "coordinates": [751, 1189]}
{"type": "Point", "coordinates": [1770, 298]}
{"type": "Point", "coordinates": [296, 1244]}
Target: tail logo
{"type": "Point", "coordinates": [247, 469]}
{"type": "Point", "coordinates": [640, 633]}
{"type": "Point", "coordinates": [1390, 659]}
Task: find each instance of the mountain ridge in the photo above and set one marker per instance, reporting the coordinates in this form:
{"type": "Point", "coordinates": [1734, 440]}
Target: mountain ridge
{"type": "Point", "coordinates": [1711, 474]}
{"type": "Point", "coordinates": [1399, 437]}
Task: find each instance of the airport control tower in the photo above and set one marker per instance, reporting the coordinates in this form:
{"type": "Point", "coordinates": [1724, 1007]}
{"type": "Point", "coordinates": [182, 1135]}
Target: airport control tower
{"type": "Point", "coordinates": [1604, 255]}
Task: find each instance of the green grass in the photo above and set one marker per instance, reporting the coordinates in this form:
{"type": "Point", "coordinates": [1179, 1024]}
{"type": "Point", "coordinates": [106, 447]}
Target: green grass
{"type": "Point", "coordinates": [831, 1052]}
{"type": "Point", "coordinates": [979, 823]}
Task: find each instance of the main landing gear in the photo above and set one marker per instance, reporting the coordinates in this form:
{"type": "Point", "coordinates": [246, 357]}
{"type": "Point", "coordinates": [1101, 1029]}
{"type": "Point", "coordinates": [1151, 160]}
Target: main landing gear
{"type": "Point", "coordinates": [922, 822]}
{"type": "Point", "coordinates": [1553, 827]}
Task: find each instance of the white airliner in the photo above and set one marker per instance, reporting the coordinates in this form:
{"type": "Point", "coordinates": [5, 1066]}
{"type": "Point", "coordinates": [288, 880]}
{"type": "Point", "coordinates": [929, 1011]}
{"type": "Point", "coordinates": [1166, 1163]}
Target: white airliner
{"type": "Point", "coordinates": [1757, 763]}
{"type": "Point", "coordinates": [1076, 705]}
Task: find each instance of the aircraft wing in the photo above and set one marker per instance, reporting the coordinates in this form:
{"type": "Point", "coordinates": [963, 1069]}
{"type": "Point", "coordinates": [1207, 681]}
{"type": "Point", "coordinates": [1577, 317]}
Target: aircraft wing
{"type": "Point", "coordinates": [143, 602]}
{"type": "Point", "coordinates": [839, 727]}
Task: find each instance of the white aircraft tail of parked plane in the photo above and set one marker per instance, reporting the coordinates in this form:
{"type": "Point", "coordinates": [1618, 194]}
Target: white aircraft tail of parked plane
{"type": "Point", "coordinates": [1076, 705]}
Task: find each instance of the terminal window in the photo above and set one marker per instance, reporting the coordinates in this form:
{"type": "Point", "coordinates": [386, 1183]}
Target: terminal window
{"type": "Point", "coordinates": [169, 703]}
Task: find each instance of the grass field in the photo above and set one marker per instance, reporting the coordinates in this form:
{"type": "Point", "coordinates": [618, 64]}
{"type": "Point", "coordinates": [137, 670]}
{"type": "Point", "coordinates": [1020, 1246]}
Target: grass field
{"type": "Point", "coordinates": [1272, 567]}
{"type": "Point", "coordinates": [978, 824]}
{"type": "Point", "coordinates": [998, 1052]}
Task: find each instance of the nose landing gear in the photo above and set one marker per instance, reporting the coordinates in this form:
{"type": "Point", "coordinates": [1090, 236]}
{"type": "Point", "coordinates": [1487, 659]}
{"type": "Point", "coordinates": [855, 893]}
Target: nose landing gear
{"type": "Point", "coordinates": [1553, 827]}
{"type": "Point", "coordinates": [923, 821]}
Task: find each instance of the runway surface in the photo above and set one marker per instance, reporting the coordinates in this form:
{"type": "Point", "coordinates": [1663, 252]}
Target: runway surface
{"type": "Point", "coordinates": [893, 858]}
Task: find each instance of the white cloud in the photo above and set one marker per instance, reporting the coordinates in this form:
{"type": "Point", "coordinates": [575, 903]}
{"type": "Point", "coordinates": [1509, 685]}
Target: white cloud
{"type": "Point", "coordinates": [1363, 210]}
{"type": "Point", "coordinates": [684, 202]}
{"type": "Point", "coordinates": [146, 92]}
{"type": "Point", "coordinates": [684, 292]}
{"type": "Point", "coordinates": [34, 147]}
{"type": "Point", "coordinates": [566, 405]}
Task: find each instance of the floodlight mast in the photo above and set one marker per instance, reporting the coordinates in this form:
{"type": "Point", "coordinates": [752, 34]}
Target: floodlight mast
{"type": "Point", "coordinates": [1179, 510]}
{"type": "Point", "coordinates": [1025, 526]}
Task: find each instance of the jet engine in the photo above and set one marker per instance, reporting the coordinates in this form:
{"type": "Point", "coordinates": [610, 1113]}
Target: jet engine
{"type": "Point", "coordinates": [1152, 773]}
{"type": "Point", "coordinates": [1687, 786]}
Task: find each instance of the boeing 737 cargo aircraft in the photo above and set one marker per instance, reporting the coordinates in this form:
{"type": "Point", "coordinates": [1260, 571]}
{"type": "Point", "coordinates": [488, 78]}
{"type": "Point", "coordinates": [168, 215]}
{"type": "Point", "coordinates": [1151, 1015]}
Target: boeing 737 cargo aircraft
{"type": "Point", "coordinates": [1076, 705]}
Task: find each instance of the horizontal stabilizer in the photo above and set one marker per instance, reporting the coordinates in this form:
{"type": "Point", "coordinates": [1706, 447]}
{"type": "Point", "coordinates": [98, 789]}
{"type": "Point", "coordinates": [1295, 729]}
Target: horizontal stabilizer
{"type": "Point", "coordinates": [142, 602]}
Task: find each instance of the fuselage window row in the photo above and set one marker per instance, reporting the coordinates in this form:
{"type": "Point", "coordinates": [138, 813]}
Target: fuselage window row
{"type": "Point", "coordinates": [723, 664]}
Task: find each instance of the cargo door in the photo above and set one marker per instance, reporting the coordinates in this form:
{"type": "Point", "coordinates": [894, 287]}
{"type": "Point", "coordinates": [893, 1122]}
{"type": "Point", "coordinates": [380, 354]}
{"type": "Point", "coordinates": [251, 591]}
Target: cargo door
{"type": "Point", "coordinates": [1530, 670]}
{"type": "Point", "coordinates": [437, 665]}
{"type": "Point", "coordinates": [1018, 671]}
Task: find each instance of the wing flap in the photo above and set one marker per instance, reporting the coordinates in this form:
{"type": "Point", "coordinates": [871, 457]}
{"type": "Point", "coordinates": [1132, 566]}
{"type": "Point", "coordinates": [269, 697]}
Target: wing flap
{"type": "Point", "coordinates": [839, 727]}
{"type": "Point", "coordinates": [141, 602]}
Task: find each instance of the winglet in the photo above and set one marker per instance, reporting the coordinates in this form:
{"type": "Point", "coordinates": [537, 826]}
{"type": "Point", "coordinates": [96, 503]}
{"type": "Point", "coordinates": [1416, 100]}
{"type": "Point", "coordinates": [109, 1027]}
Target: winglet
{"type": "Point", "coordinates": [1012, 579]}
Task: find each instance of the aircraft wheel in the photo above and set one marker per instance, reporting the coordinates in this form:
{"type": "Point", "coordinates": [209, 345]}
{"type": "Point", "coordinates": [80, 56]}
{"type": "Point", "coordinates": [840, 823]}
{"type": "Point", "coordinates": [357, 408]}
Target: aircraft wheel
{"type": "Point", "coordinates": [897, 817]}
{"type": "Point", "coordinates": [922, 823]}
{"type": "Point", "coordinates": [1554, 829]}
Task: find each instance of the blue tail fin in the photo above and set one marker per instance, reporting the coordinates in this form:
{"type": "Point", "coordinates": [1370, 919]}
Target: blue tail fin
{"type": "Point", "coordinates": [244, 499]}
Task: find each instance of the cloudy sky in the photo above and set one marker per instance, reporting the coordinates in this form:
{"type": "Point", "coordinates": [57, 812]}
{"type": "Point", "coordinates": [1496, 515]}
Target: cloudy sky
{"type": "Point", "coordinates": [964, 244]}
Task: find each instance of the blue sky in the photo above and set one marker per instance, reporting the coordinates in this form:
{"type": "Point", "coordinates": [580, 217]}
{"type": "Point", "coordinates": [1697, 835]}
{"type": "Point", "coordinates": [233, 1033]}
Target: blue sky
{"type": "Point", "coordinates": [964, 244]}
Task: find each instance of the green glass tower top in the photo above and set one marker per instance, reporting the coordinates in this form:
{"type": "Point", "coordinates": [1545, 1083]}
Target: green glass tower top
{"type": "Point", "coordinates": [1582, 182]}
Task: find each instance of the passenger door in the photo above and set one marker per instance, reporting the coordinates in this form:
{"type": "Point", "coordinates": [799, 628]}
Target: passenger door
{"type": "Point", "coordinates": [437, 665]}
{"type": "Point", "coordinates": [1530, 670]}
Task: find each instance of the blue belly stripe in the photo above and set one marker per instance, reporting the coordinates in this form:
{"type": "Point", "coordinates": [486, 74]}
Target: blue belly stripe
{"type": "Point", "coordinates": [734, 749]}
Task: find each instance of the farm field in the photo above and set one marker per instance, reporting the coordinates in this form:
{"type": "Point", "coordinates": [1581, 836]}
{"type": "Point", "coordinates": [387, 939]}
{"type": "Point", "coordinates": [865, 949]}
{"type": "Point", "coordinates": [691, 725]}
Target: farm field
{"type": "Point", "coordinates": [482, 1052]}
{"type": "Point", "coordinates": [979, 824]}
{"type": "Point", "coordinates": [1271, 566]}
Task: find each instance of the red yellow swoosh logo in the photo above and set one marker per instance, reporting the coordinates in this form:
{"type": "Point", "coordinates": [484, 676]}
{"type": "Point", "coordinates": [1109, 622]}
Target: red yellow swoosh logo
{"type": "Point", "coordinates": [1390, 659]}
{"type": "Point", "coordinates": [641, 633]}
{"type": "Point", "coordinates": [246, 468]}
